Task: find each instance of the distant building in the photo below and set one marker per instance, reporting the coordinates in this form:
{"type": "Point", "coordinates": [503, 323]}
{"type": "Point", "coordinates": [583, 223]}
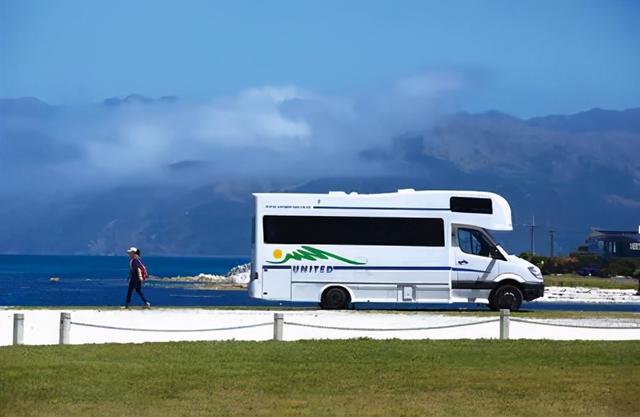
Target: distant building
{"type": "Point", "coordinates": [613, 243]}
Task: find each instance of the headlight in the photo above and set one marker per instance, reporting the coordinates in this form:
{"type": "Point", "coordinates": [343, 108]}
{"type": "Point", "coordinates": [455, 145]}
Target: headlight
{"type": "Point", "coordinates": [535, 271]}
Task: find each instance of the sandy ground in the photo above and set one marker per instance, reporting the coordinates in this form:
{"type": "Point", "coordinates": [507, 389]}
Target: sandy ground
{"type": "Point", "coordinates": [41, 327]}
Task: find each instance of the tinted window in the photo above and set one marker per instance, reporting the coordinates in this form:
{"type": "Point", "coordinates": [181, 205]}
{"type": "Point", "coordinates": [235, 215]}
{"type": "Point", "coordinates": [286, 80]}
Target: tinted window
{"type": "Point", "coordinates": [387, 231]}
{"type": "Point", "coordinates": [471, 205]}
{"type": "Point", "coordinates": [473, 242]}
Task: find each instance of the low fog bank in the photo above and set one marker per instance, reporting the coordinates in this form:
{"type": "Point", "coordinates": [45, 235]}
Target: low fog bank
{"type": "Point", "coordinates": [273, 133]}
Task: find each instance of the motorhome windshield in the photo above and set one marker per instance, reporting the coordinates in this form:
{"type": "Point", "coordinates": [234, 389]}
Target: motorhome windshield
{"type": "Point", "coordinates": [490, 237]}
{"type": "Point", "coordinates": [496, 238]}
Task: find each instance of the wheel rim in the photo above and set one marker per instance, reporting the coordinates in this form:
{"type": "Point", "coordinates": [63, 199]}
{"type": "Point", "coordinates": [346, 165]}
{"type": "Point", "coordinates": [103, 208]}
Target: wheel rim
{"type": "Point", "coordinates": [336, 298]}
{"type": "Point", "coordinates": [507, 300]}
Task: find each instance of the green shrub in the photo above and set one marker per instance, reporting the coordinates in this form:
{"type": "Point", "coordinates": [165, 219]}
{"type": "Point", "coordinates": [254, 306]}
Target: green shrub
{"type": "Point", "coordinates": [625, 267]}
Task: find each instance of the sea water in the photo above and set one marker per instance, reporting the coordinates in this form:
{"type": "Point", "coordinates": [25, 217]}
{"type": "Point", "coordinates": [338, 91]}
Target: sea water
{"type": "Point", "coordinates": [28, 280]}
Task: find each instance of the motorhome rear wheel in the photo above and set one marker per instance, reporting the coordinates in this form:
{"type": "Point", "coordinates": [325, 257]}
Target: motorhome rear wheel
{"type": "Point", "coordinates": [335, 298]}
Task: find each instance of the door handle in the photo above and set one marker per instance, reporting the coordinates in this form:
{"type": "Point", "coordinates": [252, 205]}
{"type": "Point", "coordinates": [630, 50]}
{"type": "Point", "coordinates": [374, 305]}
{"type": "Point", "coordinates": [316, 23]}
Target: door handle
{"type": "Point", "coordinates": [463, 262]}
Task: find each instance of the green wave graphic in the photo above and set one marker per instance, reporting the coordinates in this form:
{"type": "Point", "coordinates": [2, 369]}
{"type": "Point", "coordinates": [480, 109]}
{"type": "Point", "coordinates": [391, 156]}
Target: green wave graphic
{"type": "Point", "coordinates": [309, 253]}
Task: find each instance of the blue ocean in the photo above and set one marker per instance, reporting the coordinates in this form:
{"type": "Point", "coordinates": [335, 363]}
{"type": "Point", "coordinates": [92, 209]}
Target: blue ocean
{"type": "Point", "coordinates": [25, 280]}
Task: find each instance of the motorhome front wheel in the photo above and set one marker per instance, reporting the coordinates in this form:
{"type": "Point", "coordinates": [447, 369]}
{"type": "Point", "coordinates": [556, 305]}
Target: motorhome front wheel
{"type": "Point", "coordinates": [506, 296]}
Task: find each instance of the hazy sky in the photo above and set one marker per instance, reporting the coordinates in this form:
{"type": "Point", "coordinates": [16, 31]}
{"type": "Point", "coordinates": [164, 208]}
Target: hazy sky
{"type": "Point", "coordinates": [523, 57]}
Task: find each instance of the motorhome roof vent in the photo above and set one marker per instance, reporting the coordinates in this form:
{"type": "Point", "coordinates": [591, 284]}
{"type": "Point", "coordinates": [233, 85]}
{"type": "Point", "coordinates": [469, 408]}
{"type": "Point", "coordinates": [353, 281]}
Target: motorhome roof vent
{"type": "Point", "coordinates": [406, 190]}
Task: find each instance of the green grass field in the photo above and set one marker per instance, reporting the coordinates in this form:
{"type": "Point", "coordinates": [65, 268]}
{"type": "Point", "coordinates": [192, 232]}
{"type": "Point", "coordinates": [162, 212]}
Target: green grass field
{"type": "Point", "coordinates": [323, 378]}
{"type": "Point", "coordinates": [571, 280]}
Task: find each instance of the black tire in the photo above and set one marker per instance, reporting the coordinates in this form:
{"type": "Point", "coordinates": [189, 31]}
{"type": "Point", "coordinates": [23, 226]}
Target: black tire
{"type": "Point", "coordinates": [335, 298]}
{"type": "Point", "coordinates": [492, 301]}
{"type": "Point", "coordinates": [506, 296]}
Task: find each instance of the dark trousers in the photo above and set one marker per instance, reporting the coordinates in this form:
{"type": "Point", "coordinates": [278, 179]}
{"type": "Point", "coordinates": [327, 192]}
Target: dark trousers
{"type": "Point", "coordinates": [135, 284]}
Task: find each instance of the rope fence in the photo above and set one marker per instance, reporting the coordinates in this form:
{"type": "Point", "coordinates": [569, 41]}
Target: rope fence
{"type": "Point", "coordinates": [395, 329]}
{"type": "Point", "coordinates": [575, 326]}
{"type": "Point", "coordinates": [131, 329]}
{"type": "Point", "coordinates": [279, 323]}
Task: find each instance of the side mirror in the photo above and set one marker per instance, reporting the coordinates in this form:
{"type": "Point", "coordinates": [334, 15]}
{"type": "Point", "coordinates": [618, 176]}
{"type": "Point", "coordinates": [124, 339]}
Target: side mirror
{"type": "Point", "coordinates": [495, 253]}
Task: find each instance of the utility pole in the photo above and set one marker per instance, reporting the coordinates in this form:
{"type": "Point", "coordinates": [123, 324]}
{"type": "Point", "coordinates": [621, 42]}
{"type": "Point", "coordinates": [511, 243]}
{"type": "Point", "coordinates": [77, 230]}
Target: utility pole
{"type": "Point", "coordinates": [533, 238]}
{"type": "Point", "coordinates": [551, 242]}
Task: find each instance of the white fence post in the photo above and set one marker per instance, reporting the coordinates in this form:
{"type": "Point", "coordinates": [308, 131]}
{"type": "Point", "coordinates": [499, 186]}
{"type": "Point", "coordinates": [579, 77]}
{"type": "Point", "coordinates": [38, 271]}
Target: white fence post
{"type": "Point", "coordinates": [65, 328]}
{"type": "Point", "coordinates": [504, 323]}
{"type": "Point", "coordinates": [18, 328]}
{"type": "Point", "coordinates": [278, 326]}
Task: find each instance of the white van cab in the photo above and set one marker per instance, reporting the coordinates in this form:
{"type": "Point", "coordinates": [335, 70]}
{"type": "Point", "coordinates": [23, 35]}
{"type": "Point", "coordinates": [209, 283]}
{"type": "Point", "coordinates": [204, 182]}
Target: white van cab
{"type": "Point", "coordinates": [403, 247]}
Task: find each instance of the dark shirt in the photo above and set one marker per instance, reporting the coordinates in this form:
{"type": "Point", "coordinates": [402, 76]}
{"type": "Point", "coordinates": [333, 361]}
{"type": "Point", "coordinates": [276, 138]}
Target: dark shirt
{"type": "Point", "coordinates": [135, 269]}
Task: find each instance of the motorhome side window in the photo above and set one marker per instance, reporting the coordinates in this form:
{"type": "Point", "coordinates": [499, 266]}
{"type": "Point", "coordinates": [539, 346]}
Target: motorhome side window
{"type": "Point", "coordinates": [473, 242]}
{"type": "Point", "coordinates": [471, 205]}
{"type": "Point", "coordinates": [334, 230]}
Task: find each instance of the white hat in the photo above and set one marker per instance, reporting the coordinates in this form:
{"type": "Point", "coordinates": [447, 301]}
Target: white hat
{"type": "Point", "coordinates": [132, 249]}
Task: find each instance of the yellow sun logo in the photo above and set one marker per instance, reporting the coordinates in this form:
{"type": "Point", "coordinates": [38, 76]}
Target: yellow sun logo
{"type": "Point", "coordinates": [277, 254]}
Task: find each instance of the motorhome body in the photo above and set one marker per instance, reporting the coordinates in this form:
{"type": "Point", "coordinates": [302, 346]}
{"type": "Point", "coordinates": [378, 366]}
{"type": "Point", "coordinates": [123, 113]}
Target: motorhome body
{"type": "Point", "coordinates": [403, 247]}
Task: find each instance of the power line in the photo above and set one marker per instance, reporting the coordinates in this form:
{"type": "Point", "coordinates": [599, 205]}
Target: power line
{"type": "Point", "coordinates": [533, 236]}
{"type": "Point", "coordinates": [532, 229]}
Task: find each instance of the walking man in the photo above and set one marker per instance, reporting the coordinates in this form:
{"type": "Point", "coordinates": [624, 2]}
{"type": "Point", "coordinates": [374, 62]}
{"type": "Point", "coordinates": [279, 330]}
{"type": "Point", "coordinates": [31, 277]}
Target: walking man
{"type": "Point", "coordinates": [137, 275]}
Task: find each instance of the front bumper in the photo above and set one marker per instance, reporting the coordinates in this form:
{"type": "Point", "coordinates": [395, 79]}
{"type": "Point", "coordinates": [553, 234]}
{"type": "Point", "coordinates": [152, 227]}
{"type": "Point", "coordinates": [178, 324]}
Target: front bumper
{"type": "Point", "coordinates": [532, 291]}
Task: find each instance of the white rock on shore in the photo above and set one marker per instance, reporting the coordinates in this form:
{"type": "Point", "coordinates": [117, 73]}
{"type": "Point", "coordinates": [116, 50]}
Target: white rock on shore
{"type": "Point", "coordinates": [588, 295]}
{"type": "Point", "coordinates": [238, 275]}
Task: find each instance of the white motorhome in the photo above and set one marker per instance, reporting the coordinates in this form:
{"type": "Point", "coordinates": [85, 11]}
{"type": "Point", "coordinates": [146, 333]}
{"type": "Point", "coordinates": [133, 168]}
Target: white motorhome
{"type": "Point", "coordinates": [404, 247]}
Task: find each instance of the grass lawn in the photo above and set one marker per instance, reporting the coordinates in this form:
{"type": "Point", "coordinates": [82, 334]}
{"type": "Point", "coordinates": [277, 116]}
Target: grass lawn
{"type": "Point", "coordinates": [323, 378]}
{"type": "Point", "coordinates": [571, 280]}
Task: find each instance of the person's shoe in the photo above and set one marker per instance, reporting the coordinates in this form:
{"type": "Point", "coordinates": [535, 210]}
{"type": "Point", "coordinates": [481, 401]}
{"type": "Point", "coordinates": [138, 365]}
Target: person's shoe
{"type": "Point", "coordinates": [147, 305]}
